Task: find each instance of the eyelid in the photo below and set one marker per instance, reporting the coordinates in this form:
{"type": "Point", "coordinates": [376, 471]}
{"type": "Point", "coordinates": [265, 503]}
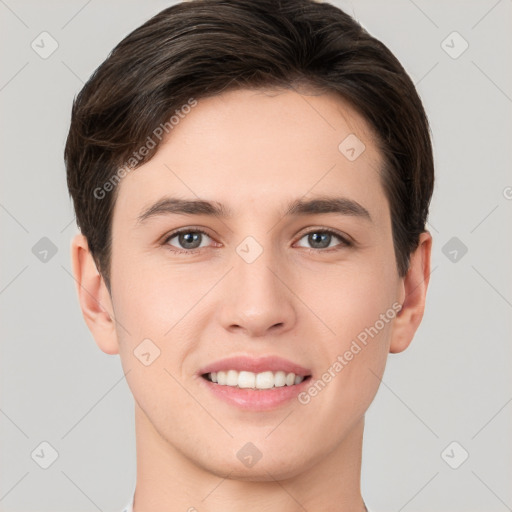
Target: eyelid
{"type": "Point", "coordinates": [188, 229]}
{"type": "Point", "coordinates": [345, 239]}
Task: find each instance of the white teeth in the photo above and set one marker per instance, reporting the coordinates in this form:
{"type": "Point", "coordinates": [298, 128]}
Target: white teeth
{"type": "Point", "coordinates": [232, 378]}
{"type": "Point", "coordinates": [263, 380]}
{"type": "Point", "coordinates": [246, 380]}
{"type": "Point", "coordinates": [279, 379]}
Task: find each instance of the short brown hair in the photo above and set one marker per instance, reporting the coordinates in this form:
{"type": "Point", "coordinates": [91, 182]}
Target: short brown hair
{"type": "Point", "coordinates": [201, 48]}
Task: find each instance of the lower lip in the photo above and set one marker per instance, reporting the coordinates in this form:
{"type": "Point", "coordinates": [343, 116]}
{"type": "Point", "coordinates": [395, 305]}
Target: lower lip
{"type": "Point", "coordinates": [256, 399]}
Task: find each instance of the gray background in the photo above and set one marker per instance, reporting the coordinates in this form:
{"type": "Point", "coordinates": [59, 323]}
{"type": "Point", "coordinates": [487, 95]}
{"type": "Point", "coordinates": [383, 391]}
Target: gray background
{"type": "Point", "coordinates": [452, 384]}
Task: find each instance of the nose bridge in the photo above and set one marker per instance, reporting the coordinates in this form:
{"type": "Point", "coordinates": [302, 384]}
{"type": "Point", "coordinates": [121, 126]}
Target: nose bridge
{"type": "Point", "coordinates": [256, 299]}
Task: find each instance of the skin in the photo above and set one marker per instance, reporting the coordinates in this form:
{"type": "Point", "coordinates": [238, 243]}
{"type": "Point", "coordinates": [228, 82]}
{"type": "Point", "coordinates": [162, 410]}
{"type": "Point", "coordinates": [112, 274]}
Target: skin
{"type": "Point", "coordinates": [253, 151]}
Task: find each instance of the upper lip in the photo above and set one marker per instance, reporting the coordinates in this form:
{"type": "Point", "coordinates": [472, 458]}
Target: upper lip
{"type": "Point", "coordinates": [256, 365]}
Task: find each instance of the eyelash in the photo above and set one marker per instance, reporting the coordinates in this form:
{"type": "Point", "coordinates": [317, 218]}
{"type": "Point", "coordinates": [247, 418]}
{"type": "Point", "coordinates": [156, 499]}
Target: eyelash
{"type": "Point", "coordinates": [344, 241]}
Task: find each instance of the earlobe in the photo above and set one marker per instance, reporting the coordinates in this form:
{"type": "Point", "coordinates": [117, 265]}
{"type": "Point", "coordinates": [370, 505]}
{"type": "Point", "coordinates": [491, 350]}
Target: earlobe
{"type": "Point", "coordinates": [93, 296]}
{"type": "Point", "coordinates": [414, 290]}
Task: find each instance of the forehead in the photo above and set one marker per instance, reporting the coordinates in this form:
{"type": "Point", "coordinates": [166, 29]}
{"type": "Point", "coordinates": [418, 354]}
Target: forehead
{"type": "Point", "coordinates": [258, 147]}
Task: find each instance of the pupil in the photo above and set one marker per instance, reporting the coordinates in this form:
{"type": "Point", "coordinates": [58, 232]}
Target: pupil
{"type": "Point", "coordinates": [188, 238]}
{"type": "Point", "coordinates": [316, 239]}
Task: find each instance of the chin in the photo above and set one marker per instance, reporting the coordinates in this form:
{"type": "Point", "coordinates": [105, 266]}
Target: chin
{"type": "Point", "coordinates": [268, 468]}
{"type": "Point", "coordinates": [261, 472]}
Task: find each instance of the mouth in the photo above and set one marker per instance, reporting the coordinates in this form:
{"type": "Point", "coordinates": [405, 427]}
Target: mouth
{"type": "Point", "coordinates": [250, 380]}
{"type": "Point", "coordinates": [255, 383]}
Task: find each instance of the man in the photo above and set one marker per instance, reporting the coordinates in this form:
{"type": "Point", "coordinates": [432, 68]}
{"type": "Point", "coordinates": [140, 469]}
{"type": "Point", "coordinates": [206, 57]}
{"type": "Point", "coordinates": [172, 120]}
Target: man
{"type": "Point", "coordinates": [252, 182]}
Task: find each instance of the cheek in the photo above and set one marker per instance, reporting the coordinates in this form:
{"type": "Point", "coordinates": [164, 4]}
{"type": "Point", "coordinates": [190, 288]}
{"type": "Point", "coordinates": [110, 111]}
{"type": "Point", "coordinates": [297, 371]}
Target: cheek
{"type": "Point", "coordinates": [151, 297]}
{"type": "Point", "coordinates": [357, 305]}
{"type": "Point", "coordinates": [349, 300]}
{"type": "Point", "coordinates": [153, 341]}
{"type": "Point", "coordinates": [353, 361]}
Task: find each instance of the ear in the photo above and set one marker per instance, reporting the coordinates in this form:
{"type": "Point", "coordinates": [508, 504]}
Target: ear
{"type": "Point", "coordinates": [94, 297]}
{"type": "Point", "coordinates": [413, 293]}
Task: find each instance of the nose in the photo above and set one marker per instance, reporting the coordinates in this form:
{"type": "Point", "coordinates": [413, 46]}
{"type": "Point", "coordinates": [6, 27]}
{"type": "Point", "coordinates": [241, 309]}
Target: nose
{"type": "Point", "coordinates": [256, 298]}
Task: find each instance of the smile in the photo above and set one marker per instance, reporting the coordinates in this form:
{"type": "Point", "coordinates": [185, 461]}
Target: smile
{"type": "Point", "coordinates": [255, 383]}
{"type": "Point", "coordinates": [251, 380]}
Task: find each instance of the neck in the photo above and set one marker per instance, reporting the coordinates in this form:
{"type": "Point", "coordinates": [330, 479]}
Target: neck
{"type": "Point", "coordinates": [168, 480]}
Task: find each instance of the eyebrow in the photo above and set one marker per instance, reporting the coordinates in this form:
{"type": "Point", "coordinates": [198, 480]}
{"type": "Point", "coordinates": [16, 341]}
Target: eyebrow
{"type": "Point", "coordinates": [320, 205]}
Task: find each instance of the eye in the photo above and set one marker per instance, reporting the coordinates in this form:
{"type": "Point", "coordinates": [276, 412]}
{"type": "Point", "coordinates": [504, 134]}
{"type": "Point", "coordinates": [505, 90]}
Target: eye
{"type": "Point", "coordinates": [322, 238]}
{"type": "Point", "coordinates": [188, 240]}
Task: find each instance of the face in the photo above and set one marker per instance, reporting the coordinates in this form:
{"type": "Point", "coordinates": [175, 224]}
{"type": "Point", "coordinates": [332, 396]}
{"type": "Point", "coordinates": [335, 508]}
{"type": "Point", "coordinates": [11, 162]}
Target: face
{"type": "Point", "coordinates": [277, 281]}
